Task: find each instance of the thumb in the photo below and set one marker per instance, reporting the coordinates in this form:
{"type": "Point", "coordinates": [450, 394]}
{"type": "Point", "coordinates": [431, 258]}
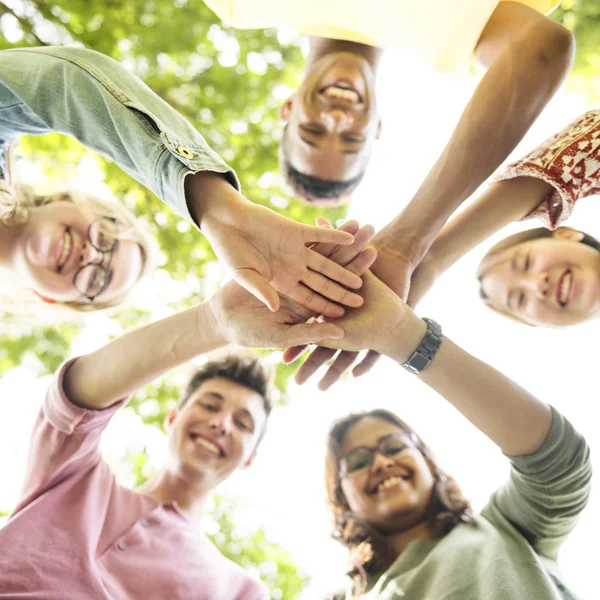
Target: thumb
{"type": "Point", "coordinates": [258, 286]}
{"type": "Point", "coordinates": [310, 333]}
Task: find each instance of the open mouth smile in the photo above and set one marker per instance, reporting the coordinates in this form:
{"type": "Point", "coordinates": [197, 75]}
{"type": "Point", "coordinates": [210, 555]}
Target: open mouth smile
{"type": "Point", "coordinates": [65, 249]}
{"type": "Point", "coordinates": [207, 444]}
{"type": "Point", "coordinates": [564, 288]}
{"type": "Point", "coordinates": [341, 91]}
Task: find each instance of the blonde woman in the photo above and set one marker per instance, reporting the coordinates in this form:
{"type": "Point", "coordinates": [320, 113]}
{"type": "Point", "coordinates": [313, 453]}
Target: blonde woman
{"type": "Point", "coordinates": [96, 100]}
{"type": "Point", "coordinates": [70, 248]}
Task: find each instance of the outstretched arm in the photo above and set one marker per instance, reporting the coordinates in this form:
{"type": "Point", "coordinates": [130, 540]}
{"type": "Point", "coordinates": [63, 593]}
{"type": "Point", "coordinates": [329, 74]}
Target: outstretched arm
{"type": "Point", "coordinates": [528, 57]}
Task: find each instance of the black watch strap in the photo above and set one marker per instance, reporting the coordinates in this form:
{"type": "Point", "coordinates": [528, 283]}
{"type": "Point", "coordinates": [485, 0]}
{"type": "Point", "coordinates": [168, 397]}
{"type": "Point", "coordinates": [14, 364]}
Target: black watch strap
{"type": "Point", "coordinates": [427, 349]}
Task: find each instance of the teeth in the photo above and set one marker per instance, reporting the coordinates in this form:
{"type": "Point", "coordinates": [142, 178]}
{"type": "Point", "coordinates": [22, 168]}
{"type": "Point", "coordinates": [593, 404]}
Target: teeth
{"type": "Point", "coordinates": [66, 248]}
{"type": "Point", "coordinates": [565, 288]}
{"type": "Point", "coordinates": [212, 448]}
{"type": "Point", "coordinates": [335, 92]}
{"type": "Point", "coordinates": [389, 483]}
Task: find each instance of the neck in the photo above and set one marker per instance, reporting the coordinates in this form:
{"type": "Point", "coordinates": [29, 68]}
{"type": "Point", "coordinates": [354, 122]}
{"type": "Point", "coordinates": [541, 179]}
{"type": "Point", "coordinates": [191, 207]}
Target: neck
{"type": "Point", "coordinates": [165, 487]}
{"type": "Point", "coordinates": [399, 541]}
{"type": "Point", "coordinates": [320, 47]}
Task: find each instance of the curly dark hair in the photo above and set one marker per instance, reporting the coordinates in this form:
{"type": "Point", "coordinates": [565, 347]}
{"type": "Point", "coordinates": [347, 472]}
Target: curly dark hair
{"type": "Point", "coordinates": [250, 371]}
{"type": "Point", "coordinates": [313, 190]}
{"type": "Point", "coordinates": [369, 550]}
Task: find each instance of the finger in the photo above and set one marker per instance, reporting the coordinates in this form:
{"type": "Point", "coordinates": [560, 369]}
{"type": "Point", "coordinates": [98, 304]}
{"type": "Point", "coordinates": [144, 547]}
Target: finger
{"type": "Point", "coordinates": [319, 305]}
{"type": "Point", "coordinates": [292, 353]}
{"type": "Point", "coordinates": [366, 364]}
{"type": "Point", "coordinates": [333, 271]}
{"type": "Point", "coordinates": [342, 255]}
{"type": "Point", "coordinates": [326, 249]}
{"type": "Point", "coordinates": [258, 286]}
{"type": "Point", "coordinates": [340, 365]}
{"type": "Point", "coordinates": [308, 333]}
{"type": "Point", "coordinates": [317, 358]}
{"type": "Point", "coordinates": [326, 235]}
{"type": "Point", "coordinates": [362, 263]}
{"type": "Point", "coordinates": [330, 289]}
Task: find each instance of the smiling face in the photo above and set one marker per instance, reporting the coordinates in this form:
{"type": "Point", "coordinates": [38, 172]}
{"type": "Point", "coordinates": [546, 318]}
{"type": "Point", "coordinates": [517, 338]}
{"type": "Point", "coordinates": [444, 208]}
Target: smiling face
{"type": "Point", "coordinates": [333, 118]}
{"type": "Point", "coordinates": [216, 431]}
{"type": "Point", "coordinates": [53, 245]}
{"type": "Point", "coordinates": [394, 491]}
{"type": "Point", "coordinates": [552, 281]}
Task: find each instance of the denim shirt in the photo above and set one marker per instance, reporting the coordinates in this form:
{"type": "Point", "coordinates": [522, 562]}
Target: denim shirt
{"type": "Point", "coordinates": [99, 102]}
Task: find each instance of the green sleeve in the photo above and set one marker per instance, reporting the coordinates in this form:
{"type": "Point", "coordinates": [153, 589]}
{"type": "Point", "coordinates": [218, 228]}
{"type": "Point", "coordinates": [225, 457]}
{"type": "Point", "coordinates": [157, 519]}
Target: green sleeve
{"type": "Point", "coordinates": [547, 490]}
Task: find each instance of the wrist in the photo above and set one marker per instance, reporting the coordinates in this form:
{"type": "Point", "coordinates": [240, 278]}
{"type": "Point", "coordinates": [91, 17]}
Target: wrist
{"type": "Point", "coordinates": [207, 320]}
{"type": "Point", "coordinates": [210, 198]}
{"type": "Point", "coordinates": [405, 338]}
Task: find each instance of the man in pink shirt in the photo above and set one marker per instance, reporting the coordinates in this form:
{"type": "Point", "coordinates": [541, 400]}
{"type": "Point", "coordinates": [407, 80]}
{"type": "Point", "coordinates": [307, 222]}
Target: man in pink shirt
{"type": "Point", "coordinates": [76, 533]}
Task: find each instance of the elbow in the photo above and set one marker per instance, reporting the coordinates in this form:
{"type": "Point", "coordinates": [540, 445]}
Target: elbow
{"type": "Point", "coordinates": [554, 49]}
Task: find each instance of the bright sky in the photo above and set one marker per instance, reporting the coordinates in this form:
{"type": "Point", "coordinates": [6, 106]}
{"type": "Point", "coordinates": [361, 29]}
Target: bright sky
{"type": "Point", "coordinates": [283, 490]}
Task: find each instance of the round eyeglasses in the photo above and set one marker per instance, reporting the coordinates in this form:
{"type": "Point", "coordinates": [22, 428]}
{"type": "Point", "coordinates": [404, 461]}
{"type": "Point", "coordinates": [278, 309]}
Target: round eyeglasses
{"type": "Point", "coordinates": [92, 279]}
{"type": "Point", "coordinates": [362, 457]}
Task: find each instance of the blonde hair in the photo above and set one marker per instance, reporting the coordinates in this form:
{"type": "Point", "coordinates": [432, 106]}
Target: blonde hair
{"type": "Point", "coordinates": [18, 200]}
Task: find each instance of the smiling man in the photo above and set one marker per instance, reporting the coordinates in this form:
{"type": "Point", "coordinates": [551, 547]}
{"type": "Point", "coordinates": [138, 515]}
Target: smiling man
{"type": "Point", "coordinates": [77, 533]}
{"type": "Point", "coordinates": [332, 118]}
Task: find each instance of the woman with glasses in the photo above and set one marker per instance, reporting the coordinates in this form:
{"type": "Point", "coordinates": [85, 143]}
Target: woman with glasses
{"type": "Point", "coordinates": [104, 106]}
{"type": "Point", "coordinates": [410, 531]}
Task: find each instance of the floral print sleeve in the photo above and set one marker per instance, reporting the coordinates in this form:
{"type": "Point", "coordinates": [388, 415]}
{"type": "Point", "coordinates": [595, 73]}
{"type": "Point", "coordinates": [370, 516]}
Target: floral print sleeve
{"type": "Point", "coordinates": [569, 161]}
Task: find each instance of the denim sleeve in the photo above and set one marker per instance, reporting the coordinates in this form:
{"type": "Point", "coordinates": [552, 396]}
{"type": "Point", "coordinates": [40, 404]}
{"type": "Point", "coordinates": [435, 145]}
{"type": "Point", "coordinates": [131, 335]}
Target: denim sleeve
{"type": "Point", "coordinates": [99, 102]}
{"type": "Point", "coordinates": [547, 490]}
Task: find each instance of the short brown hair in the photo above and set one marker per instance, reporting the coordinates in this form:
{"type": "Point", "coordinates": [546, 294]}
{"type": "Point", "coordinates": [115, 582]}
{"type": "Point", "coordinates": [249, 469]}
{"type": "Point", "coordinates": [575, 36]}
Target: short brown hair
{"type": "Point", "coordinates": [247, 370]}
{"type": "Point", "coordinates": [369, 550]}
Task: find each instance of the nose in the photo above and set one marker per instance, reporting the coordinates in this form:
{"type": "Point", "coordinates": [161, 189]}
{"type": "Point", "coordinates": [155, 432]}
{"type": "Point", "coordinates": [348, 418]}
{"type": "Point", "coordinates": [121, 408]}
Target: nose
{"type": "Point", "coordinates": [336, 119]}
{"type": "Point", "coordinates": [220, 427]}
{"type": "Point", "coordinates": [90, 255]}
{"type": "Point", "coordinates": [538, 284]}
{"type": "Point", "coordinates": [381, 462]}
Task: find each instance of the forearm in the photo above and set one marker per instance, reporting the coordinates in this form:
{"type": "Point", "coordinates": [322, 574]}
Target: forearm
{"type": "Point", "coordinates": [108, 109]}
{"type": "Point", "coordinates": [517, 86]}
{"type": "Point", "coordinates": [502, 203]}
{"type": "Point", "coordinates": [100, 379]}
{"type": "Point", "coordinates": [511, 417]}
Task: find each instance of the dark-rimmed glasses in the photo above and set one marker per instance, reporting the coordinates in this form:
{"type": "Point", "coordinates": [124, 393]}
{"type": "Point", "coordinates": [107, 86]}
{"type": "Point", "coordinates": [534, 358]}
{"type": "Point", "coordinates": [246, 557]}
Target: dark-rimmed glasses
{"type": "Point", "coordinates": [92, 279]}
{"type": "Point", "coordinates": [362, 457]}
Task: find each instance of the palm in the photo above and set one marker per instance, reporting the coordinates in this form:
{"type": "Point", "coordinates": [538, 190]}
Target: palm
{"type": "Point", "coordinates": [393, 268]}
{"type": "Point", "coordinates": [268, 253]}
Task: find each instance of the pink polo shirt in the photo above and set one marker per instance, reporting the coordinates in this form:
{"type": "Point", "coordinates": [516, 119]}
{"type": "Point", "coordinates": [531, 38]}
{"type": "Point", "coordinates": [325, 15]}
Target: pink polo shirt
{"type": "Point", "coordinates": [77, 534]}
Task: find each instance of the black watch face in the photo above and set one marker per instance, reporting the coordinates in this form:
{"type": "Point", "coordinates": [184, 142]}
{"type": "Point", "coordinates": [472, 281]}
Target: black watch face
{"type": "Point", "coordinates": [419, 362]}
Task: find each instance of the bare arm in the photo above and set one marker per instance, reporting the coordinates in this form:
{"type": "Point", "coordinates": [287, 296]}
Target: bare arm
{"type": "Point", "coordinates": [528, 57]}
{"type": "Point", "coordinates": [100, 379]}
{"type": "Point", "coordinates": [504, 202]}
{"type": "Point", "coordinates": [511, 417]}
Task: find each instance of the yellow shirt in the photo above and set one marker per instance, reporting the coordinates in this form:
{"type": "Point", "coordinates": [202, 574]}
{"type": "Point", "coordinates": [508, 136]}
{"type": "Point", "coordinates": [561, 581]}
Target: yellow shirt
{"type": "Point", "coordinates": [439, 31]}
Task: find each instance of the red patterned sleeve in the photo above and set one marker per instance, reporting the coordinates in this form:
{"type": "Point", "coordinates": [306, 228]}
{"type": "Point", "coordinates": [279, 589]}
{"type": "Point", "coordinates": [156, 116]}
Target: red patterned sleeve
{"type": "Point", "coordinates": [569, 161]}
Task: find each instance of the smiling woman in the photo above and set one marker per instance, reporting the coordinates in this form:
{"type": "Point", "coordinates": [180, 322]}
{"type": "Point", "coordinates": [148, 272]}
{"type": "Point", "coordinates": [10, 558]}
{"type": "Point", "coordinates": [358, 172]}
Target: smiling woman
{"type": "Point", "coordinates": [69, 248]}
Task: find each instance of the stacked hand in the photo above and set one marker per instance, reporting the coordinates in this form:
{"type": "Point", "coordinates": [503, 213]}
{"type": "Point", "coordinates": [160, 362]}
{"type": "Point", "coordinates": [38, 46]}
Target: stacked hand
{"type": "Point", "coordinates": [397, 271]}
{"type": "Point", "coordinates": [269, 253]}
{"type": "Point", "coordinates": [243, 319]}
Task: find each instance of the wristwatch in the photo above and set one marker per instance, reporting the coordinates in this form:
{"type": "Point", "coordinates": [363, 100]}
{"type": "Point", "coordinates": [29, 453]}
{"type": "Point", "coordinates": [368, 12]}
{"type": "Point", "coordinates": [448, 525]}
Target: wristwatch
{"type": "Point", "coordinates": [427, 349]}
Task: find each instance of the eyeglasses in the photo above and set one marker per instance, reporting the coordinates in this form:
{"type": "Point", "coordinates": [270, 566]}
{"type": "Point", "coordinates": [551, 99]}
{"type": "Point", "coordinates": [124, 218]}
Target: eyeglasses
{"type": "Point", "coordinates": [92, 279]}
{"type": "Point", "coordinates": [390, 445]}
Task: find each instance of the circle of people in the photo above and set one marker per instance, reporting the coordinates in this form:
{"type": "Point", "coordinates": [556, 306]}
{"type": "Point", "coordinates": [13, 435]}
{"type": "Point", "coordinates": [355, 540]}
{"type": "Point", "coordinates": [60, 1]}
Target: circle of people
{"type": "Point", "coordinates": [410, 531]}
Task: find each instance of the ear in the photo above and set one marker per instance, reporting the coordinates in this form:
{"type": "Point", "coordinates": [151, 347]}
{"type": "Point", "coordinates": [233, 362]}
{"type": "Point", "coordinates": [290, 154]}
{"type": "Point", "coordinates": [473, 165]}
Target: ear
{"type": "Point", "coordinates": [45, 299]}
{"type": "Point", "coordinates": [286, 107]}
{"type": "Point", "coordinates": [248, 462]}
{"type": "Point", "coordinates": [170, 419]}
{"type": "Point", "coordinates": [566, 233]}
{"type": "Point", "coordinates": [378, 133]}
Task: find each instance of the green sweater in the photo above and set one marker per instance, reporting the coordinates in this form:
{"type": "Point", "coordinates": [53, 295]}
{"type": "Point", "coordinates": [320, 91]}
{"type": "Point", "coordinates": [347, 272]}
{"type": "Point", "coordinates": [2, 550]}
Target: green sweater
{"type": "Point", "coordinates": [510, 552]}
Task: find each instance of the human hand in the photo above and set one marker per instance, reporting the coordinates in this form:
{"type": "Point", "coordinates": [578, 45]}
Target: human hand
{"type": "Point", "coordinates": [244, 320]}
{"type": "Point", "coordinates": [269, 253]}
{"type": "Point", "coordinates": [384, 324]}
